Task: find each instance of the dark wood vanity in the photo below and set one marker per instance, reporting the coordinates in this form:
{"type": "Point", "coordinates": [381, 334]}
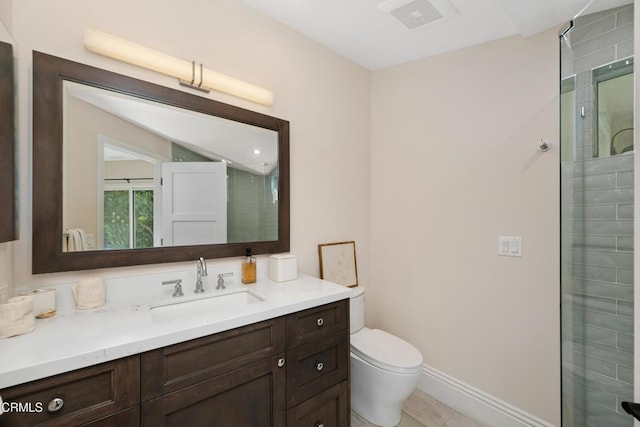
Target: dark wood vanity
{"type": "Point", "coordinates": [291, 370]}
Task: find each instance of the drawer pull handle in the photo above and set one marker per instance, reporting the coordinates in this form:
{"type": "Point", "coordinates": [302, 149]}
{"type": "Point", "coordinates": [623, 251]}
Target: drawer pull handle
{"type": "Point", "coordinates": [280, 362]}
{"type": "Point", "coordinates": [320, 322]}
{"type": "Point", "coordinates": [319, 366]}
{"type": "Point", "coordinates": [55, 405]}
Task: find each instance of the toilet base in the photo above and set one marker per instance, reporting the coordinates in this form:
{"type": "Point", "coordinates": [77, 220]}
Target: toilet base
{"type": "Point", "coordinates": [377, 395]}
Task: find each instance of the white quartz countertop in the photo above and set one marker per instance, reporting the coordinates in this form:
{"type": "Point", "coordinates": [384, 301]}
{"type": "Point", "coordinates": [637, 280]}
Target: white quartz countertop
{"type": "Point", "coordinates": [125, 326]}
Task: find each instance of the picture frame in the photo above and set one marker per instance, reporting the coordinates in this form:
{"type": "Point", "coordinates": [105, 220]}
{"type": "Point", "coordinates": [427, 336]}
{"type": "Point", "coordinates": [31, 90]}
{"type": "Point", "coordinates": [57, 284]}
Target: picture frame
{"type": "Point", "coordinates": [338, 263]}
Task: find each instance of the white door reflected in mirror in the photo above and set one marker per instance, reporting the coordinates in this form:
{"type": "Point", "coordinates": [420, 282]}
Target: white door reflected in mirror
{"type": "Point", "coordinates": [194, 203]}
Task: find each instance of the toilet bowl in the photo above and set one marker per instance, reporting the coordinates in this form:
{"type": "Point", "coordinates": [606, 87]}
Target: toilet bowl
{"type": "Point", "coordinates": [384, 369]}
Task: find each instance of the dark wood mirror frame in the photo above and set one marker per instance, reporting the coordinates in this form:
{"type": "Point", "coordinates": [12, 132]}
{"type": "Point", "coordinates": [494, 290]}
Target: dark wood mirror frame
{"type": "Point", "coordinates": [49, 73]}
{"type": "Point", "coordinates": [7, 145]}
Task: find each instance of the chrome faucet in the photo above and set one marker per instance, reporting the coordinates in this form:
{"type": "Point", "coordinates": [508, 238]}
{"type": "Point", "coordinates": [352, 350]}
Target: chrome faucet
{"type": "Point", "coordinates": [201, 272]}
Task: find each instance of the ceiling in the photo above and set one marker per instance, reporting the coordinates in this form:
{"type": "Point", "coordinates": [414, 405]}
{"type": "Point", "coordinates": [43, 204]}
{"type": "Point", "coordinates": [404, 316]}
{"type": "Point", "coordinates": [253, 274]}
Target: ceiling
{"type": "Point", "coordinates": [368, 33]}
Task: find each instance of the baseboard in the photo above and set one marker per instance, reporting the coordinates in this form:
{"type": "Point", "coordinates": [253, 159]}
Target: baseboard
{"type": "Point", "coordinates": [474, 403]}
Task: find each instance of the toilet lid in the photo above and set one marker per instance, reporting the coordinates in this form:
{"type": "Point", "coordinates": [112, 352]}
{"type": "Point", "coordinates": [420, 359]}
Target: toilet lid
{"type": "Point", "coordinates": [386, 351]}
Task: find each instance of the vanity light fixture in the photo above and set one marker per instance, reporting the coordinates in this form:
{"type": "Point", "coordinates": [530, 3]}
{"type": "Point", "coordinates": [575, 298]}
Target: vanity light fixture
{"type": "Point", "coordinates": [188, 73]}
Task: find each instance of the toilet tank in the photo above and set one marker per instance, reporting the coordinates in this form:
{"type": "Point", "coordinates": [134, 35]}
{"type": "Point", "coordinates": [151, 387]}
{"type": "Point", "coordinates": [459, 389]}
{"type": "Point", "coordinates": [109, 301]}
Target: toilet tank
{"type": "Point", "coordinates": [356, 309]}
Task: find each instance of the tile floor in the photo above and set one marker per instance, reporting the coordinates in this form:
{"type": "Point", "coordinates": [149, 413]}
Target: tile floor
{"type": "Point", "coordinates": [421, 410]}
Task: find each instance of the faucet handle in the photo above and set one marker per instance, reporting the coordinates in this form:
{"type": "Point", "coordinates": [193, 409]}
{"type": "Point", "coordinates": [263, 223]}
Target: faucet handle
{"type": "Point", "coordinates": [177, 291]}
{"type": "Point", "coordinates": [221, 280]}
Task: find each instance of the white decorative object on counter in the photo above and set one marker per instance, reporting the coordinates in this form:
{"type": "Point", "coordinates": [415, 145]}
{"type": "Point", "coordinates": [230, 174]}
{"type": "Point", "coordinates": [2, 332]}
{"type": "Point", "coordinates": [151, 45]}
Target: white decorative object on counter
{"type": "Point", "coordinates": [283, 267]}
{"type": "Point", "coordinates": [89, 293]}
{"type": "Point", "coordinates": [44, 302]}
{"type": "Point", "coordinates": [16, 316]}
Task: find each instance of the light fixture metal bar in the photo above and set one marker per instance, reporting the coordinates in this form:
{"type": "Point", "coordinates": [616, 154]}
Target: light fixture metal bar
{"type": "Point", "coordinates": [141, 56]}
{"type": "Point", "coordinates": [192, 84]}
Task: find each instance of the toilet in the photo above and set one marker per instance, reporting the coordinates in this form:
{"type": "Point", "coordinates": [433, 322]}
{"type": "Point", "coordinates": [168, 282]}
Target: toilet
{"type": "Point", "coordinates": [384, 369]}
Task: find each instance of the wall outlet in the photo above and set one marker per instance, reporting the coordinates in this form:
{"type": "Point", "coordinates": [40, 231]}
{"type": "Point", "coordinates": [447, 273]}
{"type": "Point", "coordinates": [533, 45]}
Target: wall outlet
{"type": "Point", "coordinates": [510, 246]}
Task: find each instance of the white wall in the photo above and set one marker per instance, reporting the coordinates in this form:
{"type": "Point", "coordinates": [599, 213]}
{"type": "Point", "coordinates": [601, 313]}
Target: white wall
{"type": "Point", "coordinates": [454, 165]}
{"type": "Point", "coordinates": [324, 96]}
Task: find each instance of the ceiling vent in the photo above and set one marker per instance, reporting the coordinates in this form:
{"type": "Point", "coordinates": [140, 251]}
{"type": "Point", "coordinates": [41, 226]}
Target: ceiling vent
{"type": "Point", "coordinates": [414, 14]}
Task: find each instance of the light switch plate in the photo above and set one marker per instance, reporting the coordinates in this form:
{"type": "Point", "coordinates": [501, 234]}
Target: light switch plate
{"type": "Point", "coordinates": [91, 244]}
{"type": "Point", "coordinates": [510, 246]}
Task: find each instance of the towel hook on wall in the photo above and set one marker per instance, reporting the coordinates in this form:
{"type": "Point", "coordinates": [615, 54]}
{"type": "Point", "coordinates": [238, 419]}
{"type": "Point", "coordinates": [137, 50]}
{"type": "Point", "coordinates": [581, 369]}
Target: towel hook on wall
{"type": "Point", "coordinates": [544, 145]}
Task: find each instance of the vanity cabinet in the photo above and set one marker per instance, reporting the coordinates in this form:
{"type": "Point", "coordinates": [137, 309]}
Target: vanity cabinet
{"type": "Point", "coordinates": [292, 370]}
{"type": "Point", "coordinates": [99, 394]}
{"type": "Point", "coordinates": [287, 371]}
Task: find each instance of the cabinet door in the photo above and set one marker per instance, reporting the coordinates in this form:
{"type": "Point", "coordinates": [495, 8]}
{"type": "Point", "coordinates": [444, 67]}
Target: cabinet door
{"type": "Point", "coordinates": [249, 396]}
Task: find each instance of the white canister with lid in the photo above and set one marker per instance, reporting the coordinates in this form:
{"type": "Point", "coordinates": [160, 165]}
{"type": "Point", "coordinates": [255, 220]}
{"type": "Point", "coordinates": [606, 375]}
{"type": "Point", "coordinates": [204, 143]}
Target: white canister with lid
{"type": "Point", "coordinates": [283, 267]}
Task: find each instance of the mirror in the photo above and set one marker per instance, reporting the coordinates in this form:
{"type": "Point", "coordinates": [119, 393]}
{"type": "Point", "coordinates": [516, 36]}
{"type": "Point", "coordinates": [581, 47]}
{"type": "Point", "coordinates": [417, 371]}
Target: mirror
{"type": "Point", "coordinates": [612, 122]}
{"type": "Point", "coordinates": [127, 172]}
{"type": "Point", "coordinates": [614, 108]}
{"type": "Point", "coordinates": [7, 145]}
{"type": "Point", "coordinates": [162, 176]}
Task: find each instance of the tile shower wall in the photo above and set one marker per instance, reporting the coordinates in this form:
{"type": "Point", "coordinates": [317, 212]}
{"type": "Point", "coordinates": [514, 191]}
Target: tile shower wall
{"type": "Point", "coordinates": [597, 241]}
{"type": "Point", "coordinates": [597, 290]}
{"type": "Point", "coordinates": [252, 212]}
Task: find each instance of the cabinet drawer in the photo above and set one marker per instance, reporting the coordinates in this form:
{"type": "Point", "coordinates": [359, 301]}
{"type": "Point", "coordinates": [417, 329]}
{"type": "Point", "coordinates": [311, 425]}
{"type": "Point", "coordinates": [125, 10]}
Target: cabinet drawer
{"type": "Point", "coordinates": [85, 395]}
{"type": "Point", "coordinates": [328, 409]}
{"type": "Point", "coordinates": [177, 366]}
{"type": "Point", "coordinates": [317, 322]}
{"type": "Point", "coordinates": [316, 366]}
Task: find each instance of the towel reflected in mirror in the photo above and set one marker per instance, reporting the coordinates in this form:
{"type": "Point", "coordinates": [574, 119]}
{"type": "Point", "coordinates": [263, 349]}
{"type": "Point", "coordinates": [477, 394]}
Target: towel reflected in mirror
{"type": "Point", "coordinates": [74, 240]}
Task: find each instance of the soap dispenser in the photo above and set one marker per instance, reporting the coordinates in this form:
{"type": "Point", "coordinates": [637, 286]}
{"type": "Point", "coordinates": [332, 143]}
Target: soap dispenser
{"type": "Point", "coordinates": [248, 268]}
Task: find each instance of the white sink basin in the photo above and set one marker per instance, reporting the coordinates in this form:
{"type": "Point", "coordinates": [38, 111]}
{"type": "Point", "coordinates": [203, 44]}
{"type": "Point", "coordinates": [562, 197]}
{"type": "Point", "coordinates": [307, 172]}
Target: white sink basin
{"type": "Point", "coordinates": [204, 306]}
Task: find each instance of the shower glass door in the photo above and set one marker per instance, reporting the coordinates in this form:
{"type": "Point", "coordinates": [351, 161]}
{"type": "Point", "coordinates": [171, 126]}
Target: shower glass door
{"type": "Point", "coordinates": [597, 215]}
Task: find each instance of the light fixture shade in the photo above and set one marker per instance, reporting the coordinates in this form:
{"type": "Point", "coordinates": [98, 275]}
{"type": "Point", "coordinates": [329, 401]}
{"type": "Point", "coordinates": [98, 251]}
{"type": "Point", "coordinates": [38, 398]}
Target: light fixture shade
{"type": "Point", "coordinates": [141, 56]}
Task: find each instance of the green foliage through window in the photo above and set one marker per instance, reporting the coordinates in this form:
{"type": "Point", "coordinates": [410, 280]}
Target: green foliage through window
{"type": "Point", "coordinates": [128, 219]}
